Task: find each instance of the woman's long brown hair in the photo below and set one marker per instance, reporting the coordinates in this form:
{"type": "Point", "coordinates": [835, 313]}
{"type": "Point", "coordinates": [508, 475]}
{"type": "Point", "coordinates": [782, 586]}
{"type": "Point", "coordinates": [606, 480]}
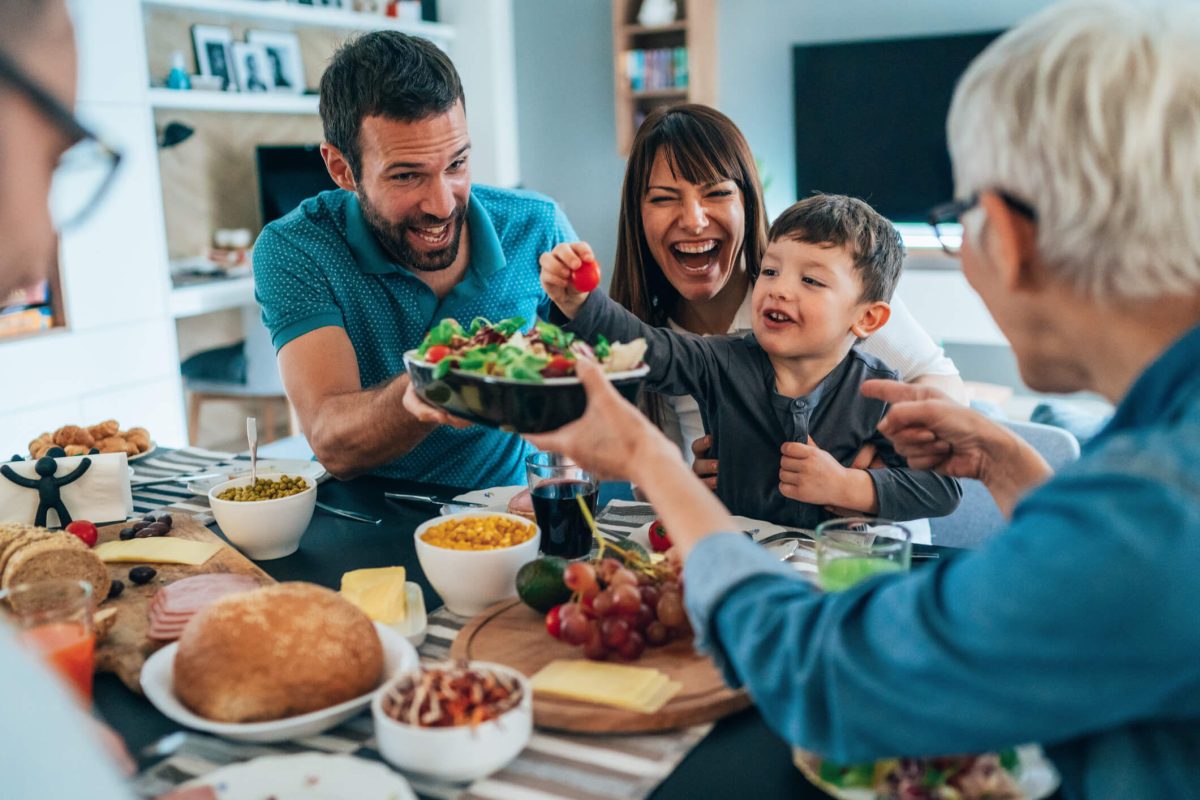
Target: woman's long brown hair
{"type": "Point", "coordinates": [702, 146]}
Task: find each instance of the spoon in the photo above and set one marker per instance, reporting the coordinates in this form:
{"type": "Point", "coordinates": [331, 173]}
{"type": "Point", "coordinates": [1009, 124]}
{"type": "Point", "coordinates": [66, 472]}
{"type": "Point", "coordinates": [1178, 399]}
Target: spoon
{"type": "Point", "coordinates": [252, 438]}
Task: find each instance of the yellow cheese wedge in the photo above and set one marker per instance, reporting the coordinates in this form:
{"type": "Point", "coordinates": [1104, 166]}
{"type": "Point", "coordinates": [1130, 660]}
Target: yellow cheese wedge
{"type": "Point", "coordinates": [638, 689]}
{"type": "Point", "coordinates": [158, 550]}
{"type": "Point", "coordinates": [380, 593]}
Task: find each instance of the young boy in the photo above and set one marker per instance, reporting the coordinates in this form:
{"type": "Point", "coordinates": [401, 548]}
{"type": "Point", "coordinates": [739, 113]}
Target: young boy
{"type": "Point", "coordinates": [782, 403]}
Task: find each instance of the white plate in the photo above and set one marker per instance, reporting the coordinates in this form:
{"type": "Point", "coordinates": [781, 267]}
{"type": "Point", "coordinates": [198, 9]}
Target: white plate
{"type": "Point", "coordinates": [306, 776]}
{"type": "Point", "coordinates": [1035, 775]}
{"type": "Point", "coordinates": [159, 687]}
{"type": "Point", "coordinates": [309, 470]}
{"type": "Point", "coordinates": [140, 456]}
{"type": "Point", "coordinates": [494, 499]}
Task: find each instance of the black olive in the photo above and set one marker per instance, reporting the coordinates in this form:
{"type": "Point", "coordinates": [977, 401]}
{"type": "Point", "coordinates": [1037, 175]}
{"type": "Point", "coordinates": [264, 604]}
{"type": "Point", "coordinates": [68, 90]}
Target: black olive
{"type": "Point", "coordinates": [142, 574]}
{"type": "Point", "coordinates": [149, 518]}
{"type": "Point", "coordinates": [165, 519]}
{"type": "Point", "coordinates": [156, 529]}
{"type": "Point", "coordinates": [143, 533]}
{"type": "Point", "coordinates": [115, 589]}
{"type": "Point", "coordinates": [137, 526]}
{"type": "Point", "coordinates": [126, 534]}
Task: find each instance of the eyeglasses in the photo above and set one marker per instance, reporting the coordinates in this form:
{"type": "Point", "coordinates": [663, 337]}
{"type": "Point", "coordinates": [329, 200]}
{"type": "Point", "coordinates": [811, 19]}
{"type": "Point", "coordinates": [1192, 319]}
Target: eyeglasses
{"type": "Point", "coordinates": [947, 214]}
{"type": "Point", "coordinates": [85, 171]}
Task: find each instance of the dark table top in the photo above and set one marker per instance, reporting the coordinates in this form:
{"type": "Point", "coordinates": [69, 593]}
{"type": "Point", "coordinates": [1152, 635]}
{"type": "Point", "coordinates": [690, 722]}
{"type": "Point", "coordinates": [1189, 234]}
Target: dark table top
{"type": "Point", "coordinates": [740, 758]}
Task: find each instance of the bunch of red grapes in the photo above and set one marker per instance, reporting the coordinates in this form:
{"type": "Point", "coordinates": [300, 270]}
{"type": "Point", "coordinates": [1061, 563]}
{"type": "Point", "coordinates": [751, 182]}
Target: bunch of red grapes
{"type": "Point", "coordinates": [619, 611]}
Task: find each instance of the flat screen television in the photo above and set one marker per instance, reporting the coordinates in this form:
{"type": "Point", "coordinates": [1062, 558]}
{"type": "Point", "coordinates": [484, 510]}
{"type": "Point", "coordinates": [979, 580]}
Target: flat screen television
{"type": "Point", "coordinates": [287, 176]}
{"type": "Point", "coordinates": [871, 119]}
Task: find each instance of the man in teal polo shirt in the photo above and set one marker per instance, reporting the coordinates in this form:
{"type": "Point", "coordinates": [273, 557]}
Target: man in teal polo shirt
{"type": "Point", "coordinates": [354, 277]}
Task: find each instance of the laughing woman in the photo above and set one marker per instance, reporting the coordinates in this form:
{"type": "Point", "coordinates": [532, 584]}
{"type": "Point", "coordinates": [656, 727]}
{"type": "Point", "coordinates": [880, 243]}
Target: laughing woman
{"type": "Point", "coordinates": [693, 228]}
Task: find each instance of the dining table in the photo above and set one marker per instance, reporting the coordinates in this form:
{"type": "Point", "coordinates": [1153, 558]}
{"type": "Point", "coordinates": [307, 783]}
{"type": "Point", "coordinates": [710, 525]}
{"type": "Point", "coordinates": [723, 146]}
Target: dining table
{"type": "Point", "coordinates": [739, 757]}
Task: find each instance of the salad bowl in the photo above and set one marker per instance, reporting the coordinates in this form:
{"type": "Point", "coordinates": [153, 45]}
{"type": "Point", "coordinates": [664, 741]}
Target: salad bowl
{"type": "Point", "coordinates": [520, 381]}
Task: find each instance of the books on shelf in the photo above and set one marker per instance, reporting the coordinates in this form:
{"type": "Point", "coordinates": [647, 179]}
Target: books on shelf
{"type": "Point", "coordinates": [657, 69]}
{"type": "Point", "coordinates": [25, 320]}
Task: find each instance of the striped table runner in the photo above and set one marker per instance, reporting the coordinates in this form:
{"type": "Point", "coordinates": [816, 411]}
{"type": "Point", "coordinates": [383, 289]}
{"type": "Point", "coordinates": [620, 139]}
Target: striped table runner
{"type": "Point", "coordinates": [163, 463]}
{"type": "Point", "coordinates": [554, 766]}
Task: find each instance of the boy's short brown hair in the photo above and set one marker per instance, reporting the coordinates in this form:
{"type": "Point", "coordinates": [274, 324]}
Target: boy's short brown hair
{"type": "Point", "coordinates": [841, 221]}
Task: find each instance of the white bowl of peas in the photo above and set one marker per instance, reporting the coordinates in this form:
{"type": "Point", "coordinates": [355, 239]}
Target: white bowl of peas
{"type": "Point", "coordinates": [472, 559]}
{"type": "Point", "coordinates": [266, 519]}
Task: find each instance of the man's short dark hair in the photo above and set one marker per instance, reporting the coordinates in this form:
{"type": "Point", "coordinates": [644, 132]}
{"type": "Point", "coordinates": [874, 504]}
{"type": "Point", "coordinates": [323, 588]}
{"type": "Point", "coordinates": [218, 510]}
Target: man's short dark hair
{"type": "Point", "coordinates": [841, 221]}
{"type": "Point", "coordinates": [388, 74]}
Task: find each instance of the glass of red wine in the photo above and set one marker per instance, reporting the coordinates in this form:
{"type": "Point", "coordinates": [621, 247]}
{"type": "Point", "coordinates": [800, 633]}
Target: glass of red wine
{"type": "Point", "coordinates": [554, 483]}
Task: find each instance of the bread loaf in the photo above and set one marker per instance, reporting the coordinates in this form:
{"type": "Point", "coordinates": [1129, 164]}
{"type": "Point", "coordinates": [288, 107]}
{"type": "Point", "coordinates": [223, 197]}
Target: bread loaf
{"type": "Point", "coordinates": [276, 652]}
{"type": "Point", "coordinates": [29, 554]}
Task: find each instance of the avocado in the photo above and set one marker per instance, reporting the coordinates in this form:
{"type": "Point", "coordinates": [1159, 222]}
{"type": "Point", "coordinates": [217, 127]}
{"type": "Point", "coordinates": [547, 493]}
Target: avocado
{"type": "Point", "coordinates": [540, 583]}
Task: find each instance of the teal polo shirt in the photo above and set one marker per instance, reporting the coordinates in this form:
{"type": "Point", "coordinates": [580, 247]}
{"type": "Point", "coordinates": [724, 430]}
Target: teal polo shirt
{"type": "Point", "coordinates": [320, 265]}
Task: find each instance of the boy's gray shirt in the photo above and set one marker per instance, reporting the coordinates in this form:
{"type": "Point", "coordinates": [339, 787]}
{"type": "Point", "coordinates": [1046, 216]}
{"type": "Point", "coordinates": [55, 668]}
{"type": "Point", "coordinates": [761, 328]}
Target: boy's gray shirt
{"type": "Point", "coordinates": [733, 382]}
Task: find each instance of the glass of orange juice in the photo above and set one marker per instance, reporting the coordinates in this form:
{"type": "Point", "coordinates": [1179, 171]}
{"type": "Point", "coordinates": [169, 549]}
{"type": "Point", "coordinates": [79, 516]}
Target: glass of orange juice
{"type": "Point", "coordinates": [54, 618]}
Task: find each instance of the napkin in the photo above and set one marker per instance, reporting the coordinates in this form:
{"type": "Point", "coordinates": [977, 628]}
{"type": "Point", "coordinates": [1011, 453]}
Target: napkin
{"type": "Point", "coordinates": [101, 494]}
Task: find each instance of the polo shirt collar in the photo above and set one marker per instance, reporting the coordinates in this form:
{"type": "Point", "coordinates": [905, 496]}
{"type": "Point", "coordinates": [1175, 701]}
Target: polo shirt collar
{"type": "Point", "coordinates": [486, 255]}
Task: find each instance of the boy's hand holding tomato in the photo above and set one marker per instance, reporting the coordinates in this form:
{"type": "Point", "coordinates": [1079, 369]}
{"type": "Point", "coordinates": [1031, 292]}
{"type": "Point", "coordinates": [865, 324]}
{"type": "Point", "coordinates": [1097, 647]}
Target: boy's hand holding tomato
{"type": "Point", "coordinates": [569, 275]}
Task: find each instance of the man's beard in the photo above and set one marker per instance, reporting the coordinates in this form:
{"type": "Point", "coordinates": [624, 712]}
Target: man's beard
{"type": "Point", "coordinates": [393, 237]}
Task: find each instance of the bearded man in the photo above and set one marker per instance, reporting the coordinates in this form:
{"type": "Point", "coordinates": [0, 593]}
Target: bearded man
{"type": "Point", "coordinates": [355, 276]}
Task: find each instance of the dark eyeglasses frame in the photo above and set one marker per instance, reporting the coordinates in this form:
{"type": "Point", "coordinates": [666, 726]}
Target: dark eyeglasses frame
{"type": "Point", "coordinates": [66, 121]}
{"type": "Point", "coordinates": [953, 211]}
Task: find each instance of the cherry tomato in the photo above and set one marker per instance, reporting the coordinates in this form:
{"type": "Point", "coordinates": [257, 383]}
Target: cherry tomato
{"type": "Point", "coordinates": [554, 621]}
{"type": "Point", "coordinates": [559, 367]}
{"type": "Point", "coordinates": [587, 277]}
{"type": "Point", "coordinates": [659, 541]}
{"type": "Point", "coordinates": [85, 530]}
{"type": "Point", "coordinates": [436, 353]}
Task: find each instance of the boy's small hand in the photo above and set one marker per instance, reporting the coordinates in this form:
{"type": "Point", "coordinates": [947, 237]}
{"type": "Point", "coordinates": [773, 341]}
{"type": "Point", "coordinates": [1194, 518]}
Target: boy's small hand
{"type": "Point", "coordinates": [810, 475]}
{"type": "Point", "coordinates": [557, 268]}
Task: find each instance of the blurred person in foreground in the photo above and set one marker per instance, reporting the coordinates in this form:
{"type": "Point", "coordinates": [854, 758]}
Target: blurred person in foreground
{"type": "Point", "coordinates": [1075, 140]}
{"type": "Point", "coordinates": [49, 746]}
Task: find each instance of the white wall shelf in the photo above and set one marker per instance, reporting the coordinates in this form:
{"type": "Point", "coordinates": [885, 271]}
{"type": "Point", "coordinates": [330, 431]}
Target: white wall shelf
{"type": "Point", "coordinates": [216, 295]}
{"type": "Point", "coordinates": [282, 13]}
{"type": "Point", "coordinates": [246, 102]}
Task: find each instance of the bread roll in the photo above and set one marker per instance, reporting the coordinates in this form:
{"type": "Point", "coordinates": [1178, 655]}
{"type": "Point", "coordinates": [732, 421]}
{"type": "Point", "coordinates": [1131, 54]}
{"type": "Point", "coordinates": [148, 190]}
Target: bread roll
{"type": "Point", "coordinates": [276, 652]}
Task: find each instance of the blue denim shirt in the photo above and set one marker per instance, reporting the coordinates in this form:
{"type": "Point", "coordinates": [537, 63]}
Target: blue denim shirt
{"type": "Point", "coordinates": [1078, 626]}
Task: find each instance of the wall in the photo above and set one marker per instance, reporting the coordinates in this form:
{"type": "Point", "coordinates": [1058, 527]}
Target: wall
{"type": "Point", "coordinates": [565, 113]}
{"type": "Point", "coordinates": [117, 358]}
{"type": "Point", "coordinates": [755, 73]}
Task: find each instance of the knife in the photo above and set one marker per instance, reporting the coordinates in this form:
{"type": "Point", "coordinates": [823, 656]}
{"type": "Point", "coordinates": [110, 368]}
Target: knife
{"type": "Point", "coordinates": [437, 501]}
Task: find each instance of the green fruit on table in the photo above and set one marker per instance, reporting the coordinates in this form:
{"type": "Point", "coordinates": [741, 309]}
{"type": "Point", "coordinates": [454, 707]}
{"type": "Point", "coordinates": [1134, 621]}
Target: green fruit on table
{"type": "Point", "coordinates": [540, 583]}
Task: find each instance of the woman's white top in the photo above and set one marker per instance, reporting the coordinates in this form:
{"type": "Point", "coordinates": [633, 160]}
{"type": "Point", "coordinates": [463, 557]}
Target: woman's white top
{"type": "Point", "coordinates": [902, 344]}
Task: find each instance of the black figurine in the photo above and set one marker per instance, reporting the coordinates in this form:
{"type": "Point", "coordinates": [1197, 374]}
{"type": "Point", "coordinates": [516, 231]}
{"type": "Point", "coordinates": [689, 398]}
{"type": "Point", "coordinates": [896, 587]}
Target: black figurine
{"type": "Point", "coordinates": [48, 486]}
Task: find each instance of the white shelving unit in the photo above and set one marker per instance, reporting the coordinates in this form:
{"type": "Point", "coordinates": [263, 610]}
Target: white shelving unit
{"type": "Point", "coordinates": [288, 14]}
{"type": "Point", "coordinates": [248, 102]}
{"type": "Point", "coordinates": [217, 295]}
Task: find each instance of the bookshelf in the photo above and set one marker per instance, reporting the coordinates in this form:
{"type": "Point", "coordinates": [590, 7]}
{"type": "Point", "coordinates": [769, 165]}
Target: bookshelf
{"type": "Point", "coordinates": [658, 65]}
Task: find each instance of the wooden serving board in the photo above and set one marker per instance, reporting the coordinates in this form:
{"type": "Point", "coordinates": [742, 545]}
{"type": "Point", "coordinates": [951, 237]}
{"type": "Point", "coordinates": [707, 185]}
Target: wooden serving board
{"type": "Point", "coordinates": [126, 647]}
{"type": "Point", "coordinates": [513, 634]}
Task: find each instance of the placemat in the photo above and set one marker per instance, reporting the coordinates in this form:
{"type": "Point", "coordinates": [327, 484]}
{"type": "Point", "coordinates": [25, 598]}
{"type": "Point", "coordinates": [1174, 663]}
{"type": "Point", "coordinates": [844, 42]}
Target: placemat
{"type": "Point", "coordinates": [163, 463]}
{"type": "Point", "coordinates": [552, 767]}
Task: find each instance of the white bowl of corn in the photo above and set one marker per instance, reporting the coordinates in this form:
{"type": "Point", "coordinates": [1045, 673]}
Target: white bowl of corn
{"type": "Point", "coordinates": [471, 559]}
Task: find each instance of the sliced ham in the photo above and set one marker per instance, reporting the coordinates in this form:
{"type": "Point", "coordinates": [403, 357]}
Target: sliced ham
{"type": "Point", "coordinates": [175, 604]}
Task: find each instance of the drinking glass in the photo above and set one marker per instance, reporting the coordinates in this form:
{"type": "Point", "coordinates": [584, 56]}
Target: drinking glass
{"type": "Point", "coordinates": [855, 548]}
{"type": "Point", "coordinates": [54, 618]}
{"type": "Point", "coordinates": [554, 483]}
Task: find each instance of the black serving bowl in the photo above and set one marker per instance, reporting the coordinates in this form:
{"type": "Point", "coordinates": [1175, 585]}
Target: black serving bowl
{"type": "Point", "coordinates": [512, 405]}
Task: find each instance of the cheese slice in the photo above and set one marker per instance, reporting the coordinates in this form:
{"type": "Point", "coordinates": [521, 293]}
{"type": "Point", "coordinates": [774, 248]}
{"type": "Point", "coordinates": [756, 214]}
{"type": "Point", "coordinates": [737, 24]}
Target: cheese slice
{"type": "Point", "coordinates": [158, 550]}
{"type": "Point", "coordinates": [638, 689]}
{"type": "Point", "coordinates": [380, 593]}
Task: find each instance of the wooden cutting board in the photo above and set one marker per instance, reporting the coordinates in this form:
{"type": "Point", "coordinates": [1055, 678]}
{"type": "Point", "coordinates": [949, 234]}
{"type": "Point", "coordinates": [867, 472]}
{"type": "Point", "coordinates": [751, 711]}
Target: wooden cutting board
{"type": "Point", "coordinates": [126, 647]}
{"type": "Point", "coordinates": [513, 634]}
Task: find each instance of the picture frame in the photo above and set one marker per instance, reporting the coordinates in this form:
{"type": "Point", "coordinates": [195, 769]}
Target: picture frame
{"type": "Point", "coordinates": [285, 65]}
{"type": "Point", "coordinates": [252, 68]}
{"type": "Point", "coordinates": [214, 55]}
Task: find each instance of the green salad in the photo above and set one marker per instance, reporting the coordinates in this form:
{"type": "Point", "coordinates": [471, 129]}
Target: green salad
{"type": "Point", "coordinates": [503, 349]}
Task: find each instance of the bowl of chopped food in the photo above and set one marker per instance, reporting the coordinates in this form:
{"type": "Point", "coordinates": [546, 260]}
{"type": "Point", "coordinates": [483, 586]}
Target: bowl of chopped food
{"type": "Point", "coordinates": [472, 559]}
{"type": "Point", "coordinates": [458, 721]}
{"type": "Point", "coordinates": [519, 380]}
{"type": "Point", "coordinates": [265, 518]}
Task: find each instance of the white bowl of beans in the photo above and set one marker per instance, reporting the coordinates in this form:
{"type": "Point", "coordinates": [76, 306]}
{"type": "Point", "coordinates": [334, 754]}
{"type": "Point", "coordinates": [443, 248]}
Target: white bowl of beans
{"type": "Point", "coordinates": [472, 559]}
{"type": "Point", "coordinates": [266, 521]}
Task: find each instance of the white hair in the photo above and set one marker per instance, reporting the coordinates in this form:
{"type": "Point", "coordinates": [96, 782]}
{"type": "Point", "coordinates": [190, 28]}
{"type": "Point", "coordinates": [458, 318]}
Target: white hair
{"type": "Point", "coordinates": [1090, 112]}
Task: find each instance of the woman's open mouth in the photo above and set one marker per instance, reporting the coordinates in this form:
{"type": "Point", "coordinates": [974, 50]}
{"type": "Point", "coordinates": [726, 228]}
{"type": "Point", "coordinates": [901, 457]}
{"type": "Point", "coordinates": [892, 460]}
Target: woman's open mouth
{"type": "Point", "coordinates": [698, 257]}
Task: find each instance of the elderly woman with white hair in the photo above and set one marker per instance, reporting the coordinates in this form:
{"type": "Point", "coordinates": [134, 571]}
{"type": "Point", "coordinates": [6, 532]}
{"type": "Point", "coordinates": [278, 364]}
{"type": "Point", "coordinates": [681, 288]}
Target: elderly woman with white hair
{"type": "Point", "coordinates": [1075, 140]}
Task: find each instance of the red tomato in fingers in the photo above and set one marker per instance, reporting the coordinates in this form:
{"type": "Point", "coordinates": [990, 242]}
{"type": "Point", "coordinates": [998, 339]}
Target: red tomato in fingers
{"type": "Point", "coordinates": [659, 541]}
{"type": "Point", "coordinates": [85, 530]}
{"type": "Point", "coordinates": [554, 621]}
{"type": "Point", "coordinates": [436, 353]}
{"type": "Point", "coordinates": [587, 277]}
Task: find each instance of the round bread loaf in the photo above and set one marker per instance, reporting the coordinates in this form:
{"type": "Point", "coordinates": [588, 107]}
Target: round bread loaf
{"type": "Point", "coordinates": [522, 505]}
{"type": "Point", "coordinates": [276, 652]}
